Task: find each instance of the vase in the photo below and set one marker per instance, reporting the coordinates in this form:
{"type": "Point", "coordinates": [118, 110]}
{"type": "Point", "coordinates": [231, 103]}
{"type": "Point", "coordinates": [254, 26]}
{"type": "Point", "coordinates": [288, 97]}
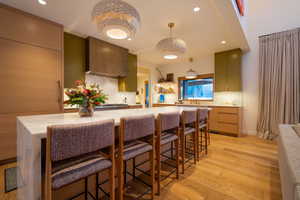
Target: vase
{"type": "Point", "coordinates": [86, 111]}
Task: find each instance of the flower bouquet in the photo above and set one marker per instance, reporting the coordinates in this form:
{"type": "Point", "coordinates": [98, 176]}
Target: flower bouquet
{"type": "Point", "coordinates": [86, 97]}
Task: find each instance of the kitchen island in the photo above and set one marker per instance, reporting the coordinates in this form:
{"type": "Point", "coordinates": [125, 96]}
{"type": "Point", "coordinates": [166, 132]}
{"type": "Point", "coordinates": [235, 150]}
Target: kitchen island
{"type": "Point", "coordinates": [32, 130]}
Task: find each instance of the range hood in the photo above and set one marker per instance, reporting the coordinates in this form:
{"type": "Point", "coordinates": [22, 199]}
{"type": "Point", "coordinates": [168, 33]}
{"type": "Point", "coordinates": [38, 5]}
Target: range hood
{"type": "Point", "coordinates": [106, 59]}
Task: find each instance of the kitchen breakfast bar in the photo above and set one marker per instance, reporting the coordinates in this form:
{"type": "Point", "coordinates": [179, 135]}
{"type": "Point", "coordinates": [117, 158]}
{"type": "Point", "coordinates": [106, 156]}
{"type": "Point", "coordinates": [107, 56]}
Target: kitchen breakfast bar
{"type": "Point", "coordinates": [31, 130]}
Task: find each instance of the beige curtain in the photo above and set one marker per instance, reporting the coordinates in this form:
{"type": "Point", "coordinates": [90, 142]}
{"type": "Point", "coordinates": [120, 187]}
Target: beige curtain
{"type": "Point", "coordinates": [279, 84]}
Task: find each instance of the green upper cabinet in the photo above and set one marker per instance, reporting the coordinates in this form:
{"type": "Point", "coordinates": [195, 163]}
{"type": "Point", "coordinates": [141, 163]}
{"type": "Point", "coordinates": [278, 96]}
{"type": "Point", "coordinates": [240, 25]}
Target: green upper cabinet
{"type": "Point", "coordinates": [129, 83]}
{"type": "Point", "coordinates": [228, 71]}
{"type": "Point", "coordinates": [74, 59]}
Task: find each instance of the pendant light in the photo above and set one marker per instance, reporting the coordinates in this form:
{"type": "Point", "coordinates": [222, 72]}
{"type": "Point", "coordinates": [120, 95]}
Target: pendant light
{"type": "Point", "coordinates": [116, 19]}
{"type": "Point", "coordinates": [191, 74]}
{"type": "Point", "coordinates": [171, 47]}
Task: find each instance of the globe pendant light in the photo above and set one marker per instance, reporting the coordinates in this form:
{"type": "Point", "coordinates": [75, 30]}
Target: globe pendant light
{"type": "Point", "coordinates": [116, 19]}
{"type": "Point", "coordinates": [191, 74]}
{"type": "Point", "coordinates": [171, 47]}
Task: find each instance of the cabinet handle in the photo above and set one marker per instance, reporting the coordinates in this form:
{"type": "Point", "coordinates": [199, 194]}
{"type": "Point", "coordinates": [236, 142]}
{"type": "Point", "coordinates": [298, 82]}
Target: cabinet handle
{"type": "Point", "coordinates": [229, 113]}
{"type": "Point", "coordinates": [59, 99]}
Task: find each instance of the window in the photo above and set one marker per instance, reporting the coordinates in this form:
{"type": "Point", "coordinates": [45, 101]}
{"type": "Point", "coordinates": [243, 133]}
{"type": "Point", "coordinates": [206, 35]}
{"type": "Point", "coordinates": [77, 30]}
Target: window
{"type": "Point", "coordinates": [197, 89]}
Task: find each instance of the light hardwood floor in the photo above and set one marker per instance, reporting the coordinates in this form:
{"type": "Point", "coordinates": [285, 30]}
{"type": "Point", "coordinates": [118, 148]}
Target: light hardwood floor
{"type": "Point", "coordinates": [243, 168]}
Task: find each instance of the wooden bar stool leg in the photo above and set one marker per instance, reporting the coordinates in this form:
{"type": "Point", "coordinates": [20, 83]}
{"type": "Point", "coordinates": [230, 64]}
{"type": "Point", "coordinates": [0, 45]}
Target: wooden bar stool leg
{"type": "Point", "coordinates": [201, 145]}
{"type": "Point", "coordinates": [158, 166]}
{"type": "Point", "coordinates": [195, 146]}
{"type": "Point", "coordinates": [198, 149]}
{"type": "Point", "coordinates": [120, 179]}
{"type": "Point", "coordinates": [152, 167]}
{"type": "Point", "coordinates": [206, 141]}
{"type": "Point", "coordinates": [112, 183]}
{"type": "Point", "coordinates": [125, 173]}
{"type": "Point", "coordinates": [172, 148]}
{"type": "Point", "coordinates": [182, 151]}
{"type": "Point", "coordinates": [177, 158]}
{"type": "Point", "coordinates": [97, 184]}
{"type": "Point", "coordinates": [86, 188]}
{"type": "Point", "coordinates": [133, 167]}
{"type": "Point", "coordinates": [112, 175]}
{"type": "Point", "coordinates": [208, 135]}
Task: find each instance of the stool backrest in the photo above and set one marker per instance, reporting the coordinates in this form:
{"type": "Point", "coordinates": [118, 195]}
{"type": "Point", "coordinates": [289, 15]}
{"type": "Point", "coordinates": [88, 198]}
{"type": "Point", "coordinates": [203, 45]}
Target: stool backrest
{"type": "Point", "coordinates": [137, 127]}
{"type": "Point", "coordinates": [168, 120]}
{"type": "Point", "coordinates": [202, 114]}
{"type": "Point", "coordinates": [68, 141]}
{"type": "Point", "coordinates": [189, 116]}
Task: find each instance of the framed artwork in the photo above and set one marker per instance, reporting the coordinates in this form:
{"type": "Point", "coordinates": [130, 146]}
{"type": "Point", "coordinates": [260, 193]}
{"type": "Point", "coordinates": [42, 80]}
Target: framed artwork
{"type": "Point", "coordinates": [241, 6]}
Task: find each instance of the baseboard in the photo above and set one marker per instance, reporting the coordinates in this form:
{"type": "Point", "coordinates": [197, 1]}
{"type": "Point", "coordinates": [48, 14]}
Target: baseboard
{"type": "Point", "coordinates": [8, 161]}
{"type": "Point", "coordinates": [249, 132]}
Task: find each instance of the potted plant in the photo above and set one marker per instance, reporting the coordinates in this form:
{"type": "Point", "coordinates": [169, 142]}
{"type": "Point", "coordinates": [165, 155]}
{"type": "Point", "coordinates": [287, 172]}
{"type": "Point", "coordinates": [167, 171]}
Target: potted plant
{"type": "Point", "coordinates": [86, 97]}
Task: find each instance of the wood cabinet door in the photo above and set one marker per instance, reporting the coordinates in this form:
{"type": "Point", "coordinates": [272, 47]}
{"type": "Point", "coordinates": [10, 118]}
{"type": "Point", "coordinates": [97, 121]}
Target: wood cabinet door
{"type": "Point", "coordinates": [20, 26]}
{"type": "Point", "coordinates": [234, 71]}
{"type": "Point", "coordinates": [228, 71]}
{"type": "Point", "coordinates": [129, 83]}
{"type": "Point", "coordinates": [107, 59]}
{"type": "Point", "coordinates": [221, 72]}
{"type": "Point", "coordinates": [30, 77]}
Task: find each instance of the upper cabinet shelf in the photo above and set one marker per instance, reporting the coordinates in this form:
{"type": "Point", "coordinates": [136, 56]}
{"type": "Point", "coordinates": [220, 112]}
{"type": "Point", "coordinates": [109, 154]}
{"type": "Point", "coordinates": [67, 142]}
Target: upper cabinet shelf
{"type": "Point", "coordinates": [129, 83]}
{"type": "Point", "coordinates": [228, 71]}
{"type": "Point", "coordinates": [107, 59]}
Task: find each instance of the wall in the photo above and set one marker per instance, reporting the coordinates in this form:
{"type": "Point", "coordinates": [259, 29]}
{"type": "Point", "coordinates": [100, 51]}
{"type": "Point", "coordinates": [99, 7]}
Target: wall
{"type": "Point", "coordinates": [110, 88]}
{"type": "Point", "coordinates": [154, 76]}
{"type": "Point", "coordinates": [262, 17]}
{"type": "Point", "coordinates": [143, 75]}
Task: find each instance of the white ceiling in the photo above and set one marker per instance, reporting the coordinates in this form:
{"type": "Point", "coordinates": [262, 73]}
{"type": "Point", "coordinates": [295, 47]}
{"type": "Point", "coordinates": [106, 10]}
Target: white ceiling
{"type": "Point", "coordinates": [203, 31]}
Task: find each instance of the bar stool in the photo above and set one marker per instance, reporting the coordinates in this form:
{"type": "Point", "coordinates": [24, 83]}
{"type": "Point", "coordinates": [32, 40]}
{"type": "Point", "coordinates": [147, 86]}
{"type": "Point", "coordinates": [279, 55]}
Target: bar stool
{"type": "Point", "coordinates": [136, 137]}
{"type": "Point", "coordinates": [167, 132]}
{"type": "Point", "coordinates": [202, 123]}
{"type": "Point", "coordinates": [188, 127]}
{"type": "Point", "coordinates": [73, 153]}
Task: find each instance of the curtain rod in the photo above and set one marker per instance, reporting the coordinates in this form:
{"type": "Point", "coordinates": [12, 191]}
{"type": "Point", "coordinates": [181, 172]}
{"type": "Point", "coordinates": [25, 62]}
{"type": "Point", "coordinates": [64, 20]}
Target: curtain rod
{"type": "Point", "coordinates": [277, 32]}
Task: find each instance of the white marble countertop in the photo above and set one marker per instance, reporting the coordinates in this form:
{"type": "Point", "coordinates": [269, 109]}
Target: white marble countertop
{"type": "Point", "coordinates": [37, 124]}
{"type": "Point", "coordinates": [201, 105]}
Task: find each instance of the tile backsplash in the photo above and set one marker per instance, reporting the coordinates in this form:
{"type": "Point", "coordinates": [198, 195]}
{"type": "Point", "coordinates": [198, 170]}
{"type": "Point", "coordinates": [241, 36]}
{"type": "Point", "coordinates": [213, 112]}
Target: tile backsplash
{"type": "Point", "coordinates": [110, 88]}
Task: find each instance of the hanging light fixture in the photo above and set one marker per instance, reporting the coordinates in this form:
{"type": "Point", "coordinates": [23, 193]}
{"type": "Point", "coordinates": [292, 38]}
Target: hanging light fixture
{"type": "Point", "coordinates": [191, 74]}
{"type": "Point", "coordinates": [116, 19]}
{"type": "Point", "coordinates": [171, 47]}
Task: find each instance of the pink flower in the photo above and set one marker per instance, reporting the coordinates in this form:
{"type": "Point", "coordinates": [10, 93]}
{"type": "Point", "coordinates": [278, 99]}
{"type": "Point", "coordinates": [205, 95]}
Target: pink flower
{"type": "Point", "coordinates": [78, 82]}
{"type": "Point", "coordinates": [86, 92]}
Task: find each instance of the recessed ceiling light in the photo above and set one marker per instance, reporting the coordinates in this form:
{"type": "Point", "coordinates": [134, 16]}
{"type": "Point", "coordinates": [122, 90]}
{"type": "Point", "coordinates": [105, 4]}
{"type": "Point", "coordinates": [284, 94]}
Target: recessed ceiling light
{"type": "Point", "coordinates": [196, 9]}
{"type": "Point", "coordinates": [223, 42]}
{"type": "Point", "coordinates": [170, 57]}
{"type": "Point", "coordinates": [43, 2]}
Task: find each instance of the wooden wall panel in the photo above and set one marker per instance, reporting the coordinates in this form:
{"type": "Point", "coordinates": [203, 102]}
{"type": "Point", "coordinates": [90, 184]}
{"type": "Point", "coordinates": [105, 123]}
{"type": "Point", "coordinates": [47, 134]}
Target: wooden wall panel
{"type": "Point", "coordinates": [21, 26]}
{"type": "Point", "coordinates": [31, 75]}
